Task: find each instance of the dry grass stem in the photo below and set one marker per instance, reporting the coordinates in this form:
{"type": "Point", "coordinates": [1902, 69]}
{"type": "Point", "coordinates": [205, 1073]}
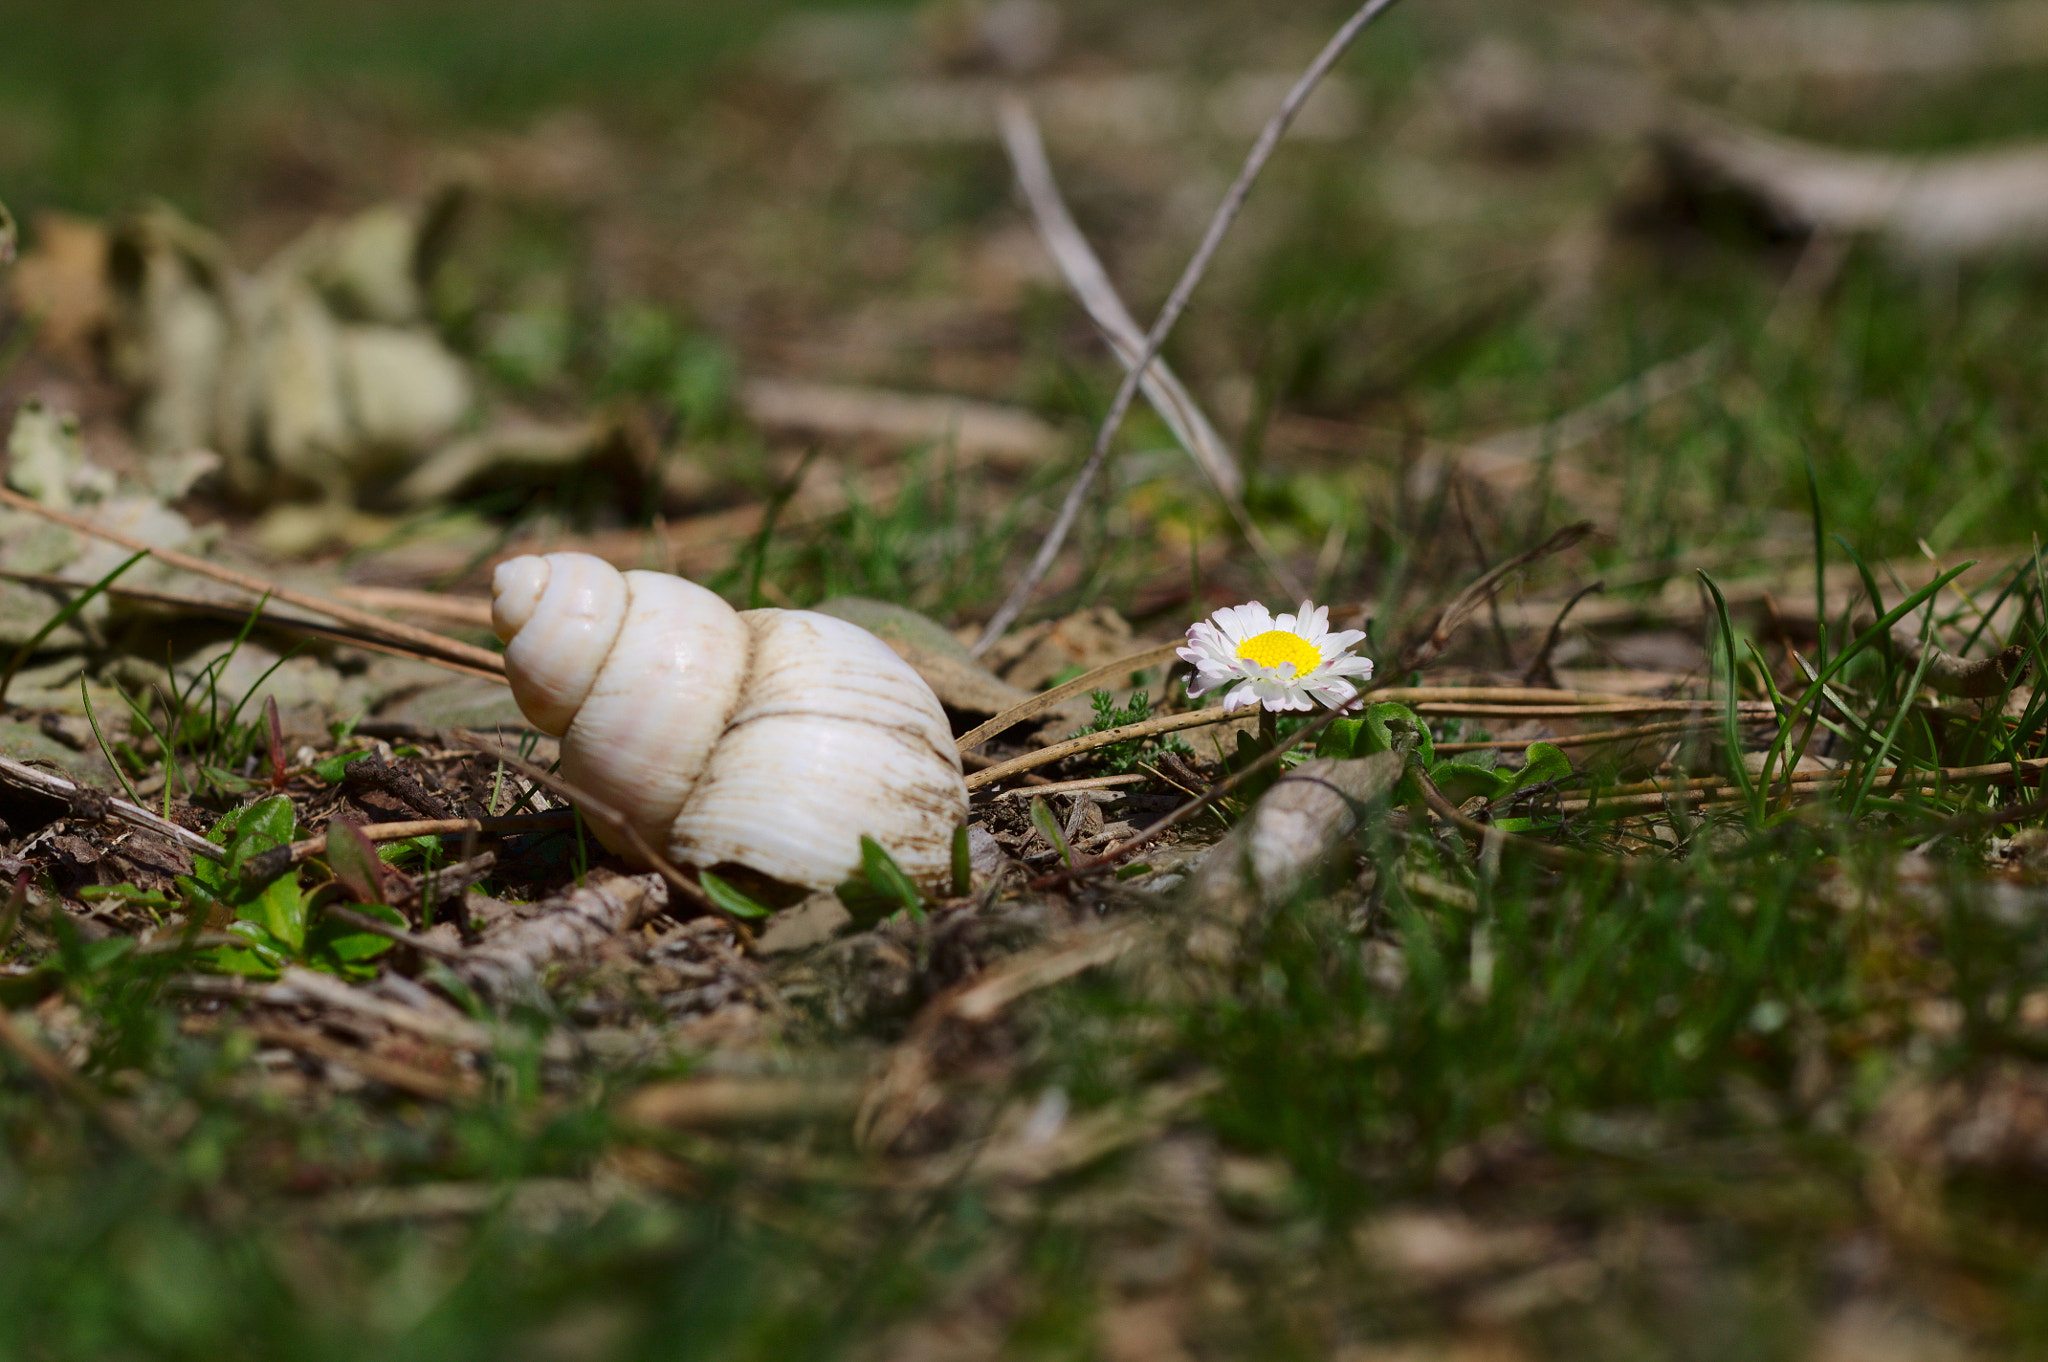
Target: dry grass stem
{"type": "Point", "coordinates": [1176, 302]}
{"type": "Point", "coordinates": [1712, 790]}
{"type": "Point", "coordinates": [1422, 651]}
{"type": "Point", "coordinates": [1429, 700]}
{"type": "Point", "coordinates": [269, 863]}
{"type": "Point", "coordinates": [726, 1100]}
{"type": "Point", "coordinates": [1109, 675]}
{"type": "Point", "coordinates": [435, 646]}
{"type": "Point", "coordinates": [87, 803]}
{"type": "Point", "coordinates": [1075, 786]}
{"type": "Point", "coordinates": [392, 1073]}
{"type": "Point", "coordinates": [1698, 724]}
{"type": "Point", "coordinates": [1091, 283]}
{"type": "Point", "coordinates": [1088, 742]}
{"type": "Point", "coordinates": [1748, 709]}
{"type": "Point", "coordinates": [222, 610]}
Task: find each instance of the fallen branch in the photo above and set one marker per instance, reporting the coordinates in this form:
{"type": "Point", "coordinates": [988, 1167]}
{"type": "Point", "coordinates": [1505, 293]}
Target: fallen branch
{"type": "Point", "coordinates": [1954, 205]}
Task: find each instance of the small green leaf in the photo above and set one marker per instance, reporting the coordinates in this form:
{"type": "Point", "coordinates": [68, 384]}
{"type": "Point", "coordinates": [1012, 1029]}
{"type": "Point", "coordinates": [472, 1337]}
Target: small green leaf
{"type": "Point", "coordinates": [1049, 827]}
{"type": "Point", "coordinates": [1463, 780]}
{"type": "Point", "coordinates": [353, 858]}
{"type": "Point", "coordinates": [332, 769]}
{"type": "Point", "coordinates": [1341, 739]}
{"type": "Point", "coordinates": [247, 832]}
{"type": "Point", "coordinates": [1391, 727]}
{"type": "Point", "coordinates": [339, 948]}
{"type": "Point", "coordinates": [262, 955]}
{"type": "Point", "coordinates": [883, 872]}
{"type": "Point", "coordinates": [963, 864]}
{"type": "Point", "coordinates": [880, 888]}
{"type": "Point", "coordinates": [129, 894]}
{"type": "Point", "coordinates": [1542, 764]}
{"type": "Point", "coordinates": [226, 780]}
{"type": "Point", "coordinates": [729, 898]}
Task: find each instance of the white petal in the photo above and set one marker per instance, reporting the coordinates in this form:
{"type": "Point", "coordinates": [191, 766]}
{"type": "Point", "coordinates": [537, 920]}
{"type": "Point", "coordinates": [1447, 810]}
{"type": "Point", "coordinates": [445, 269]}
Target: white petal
{"type": "Point", "coordinates": [1334, 691]}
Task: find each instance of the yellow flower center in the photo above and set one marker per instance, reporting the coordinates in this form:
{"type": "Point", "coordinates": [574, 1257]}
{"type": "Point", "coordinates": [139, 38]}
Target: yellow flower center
{"type": "Point", "coordinates": [1276, 646]}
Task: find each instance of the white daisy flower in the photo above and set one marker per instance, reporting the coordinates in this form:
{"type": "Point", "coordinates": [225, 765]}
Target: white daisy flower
{"type": "Point", "coordinates": [1281, 663]}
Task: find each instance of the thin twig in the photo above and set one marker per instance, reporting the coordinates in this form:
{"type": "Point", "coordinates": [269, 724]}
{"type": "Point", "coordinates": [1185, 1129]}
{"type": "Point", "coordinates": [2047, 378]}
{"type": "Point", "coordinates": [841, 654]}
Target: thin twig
{"type": "Point", "coordinates": [1087, 681]}
{"type": "Point", "coordinates": [425, 639]}
{"type": "Point", "coordinates": [1578, 705]}
{"type": "Point", "coordinates": [1538, 672]}
{"type": "Point", "coordinates": [1642, 733]}
{"type": "Point", "coordinates": [1088, 742]}
{"type": "Point", "coordinates": [1076, 786]}
{"type": "Point", "coordinates": [357, 638]}
{"type": "Point", "coordinates": [85, 802]}
{"type": "Point", "coordinates": [1710, 790]}
{"type": "Point", "coordinates": [1425, 649]}
{"type": "Point", "coordinates": [268, 864]}
{"type": "Point", "coordinates": [1176, 302]}
{"type": "Point", "coordinates": [1090, 282]}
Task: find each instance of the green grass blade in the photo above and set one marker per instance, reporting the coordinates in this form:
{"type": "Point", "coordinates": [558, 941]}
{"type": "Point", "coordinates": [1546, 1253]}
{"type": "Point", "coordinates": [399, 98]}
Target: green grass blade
{"type": "Point", "coordinates": [1731, 714]}
{"type": "Point", "coordinates": [65, 614]}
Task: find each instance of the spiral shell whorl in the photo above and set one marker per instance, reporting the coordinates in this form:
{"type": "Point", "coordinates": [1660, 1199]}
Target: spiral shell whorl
{"type": "Point", "coordinates": [552, 658]}
{"type": "Point", "coordinates": [666, 690]}
{"type": "Point", "coordinates": [516, 589]}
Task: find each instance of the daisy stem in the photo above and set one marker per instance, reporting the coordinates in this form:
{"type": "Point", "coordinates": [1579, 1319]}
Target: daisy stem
{"type": "Point", "coordinates": [1269, 729]}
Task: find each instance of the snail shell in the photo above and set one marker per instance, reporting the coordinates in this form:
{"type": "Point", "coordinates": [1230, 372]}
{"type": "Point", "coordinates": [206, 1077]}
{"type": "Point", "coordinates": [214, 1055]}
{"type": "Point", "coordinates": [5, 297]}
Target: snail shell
{"type": "Point", "coordinates": [769, 739]}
